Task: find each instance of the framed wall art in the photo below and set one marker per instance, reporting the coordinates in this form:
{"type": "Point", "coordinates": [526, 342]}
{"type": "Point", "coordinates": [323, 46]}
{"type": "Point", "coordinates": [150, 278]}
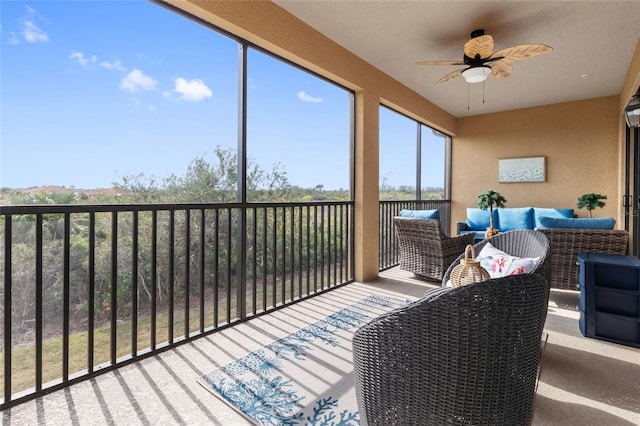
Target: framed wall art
{"type": "Point", "coordinates": [526, 169]}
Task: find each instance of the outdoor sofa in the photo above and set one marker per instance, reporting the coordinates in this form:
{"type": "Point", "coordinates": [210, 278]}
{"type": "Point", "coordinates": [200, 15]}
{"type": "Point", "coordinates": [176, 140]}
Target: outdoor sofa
{"type": "Point", "coordinates": [566, 243]}
{"type": "Point", "coordinates": [508, 219]}
{"type": "Point", "coordinates": [567, 236]}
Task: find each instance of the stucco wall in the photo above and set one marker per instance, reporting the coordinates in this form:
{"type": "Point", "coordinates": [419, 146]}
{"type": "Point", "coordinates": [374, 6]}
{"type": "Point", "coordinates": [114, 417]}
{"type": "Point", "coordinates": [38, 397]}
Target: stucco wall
{"type": "Point", "coordinates": [580, 143]}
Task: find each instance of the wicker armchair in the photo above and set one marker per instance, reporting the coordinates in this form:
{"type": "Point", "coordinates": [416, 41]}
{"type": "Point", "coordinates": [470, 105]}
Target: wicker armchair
{"type": "Point", "coordinates": [424, 249]}
{"type": "Point", "coordinates": [519, 243]}
{"type": "Point", "coordinates": [565, 244]}
{"type": "Point", "coordinates": [458, 356]}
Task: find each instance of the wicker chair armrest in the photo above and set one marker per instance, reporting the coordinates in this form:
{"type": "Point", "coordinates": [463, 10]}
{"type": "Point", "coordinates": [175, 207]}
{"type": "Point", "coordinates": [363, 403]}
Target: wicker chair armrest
{"type": "Point", "coordinates": [455, 245]}
{"type": "Point", "coordinates": [461, 226]}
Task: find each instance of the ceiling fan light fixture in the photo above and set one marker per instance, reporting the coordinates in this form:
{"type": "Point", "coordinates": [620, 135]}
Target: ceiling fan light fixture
{"type": "Point", "coordinates": [632, 111]}
{"type": "Point", "coordinates": [476, 74]}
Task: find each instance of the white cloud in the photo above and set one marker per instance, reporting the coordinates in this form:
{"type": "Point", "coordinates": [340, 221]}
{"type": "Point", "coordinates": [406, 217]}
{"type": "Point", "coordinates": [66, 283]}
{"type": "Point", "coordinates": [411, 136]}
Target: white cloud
{"type": "Point", "coordinates": [13, 39]}
{"type": "Point", "coordinates": [305, 97]}
{"type": "Point", "coordinates": [136, 80]}
{"type": "Point", "coordinates": [82, 60]}
{"type": "Point", "coordinates": [117, 65]}
{"type": "Point", "coordinates": [192, 90]}
{"type": "Point", "coordinates": [30, 30]}
{"type": "Point", "coordinates": [33, 34]}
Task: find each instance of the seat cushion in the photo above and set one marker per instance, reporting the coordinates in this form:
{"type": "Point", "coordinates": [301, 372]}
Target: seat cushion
{"type": "Point", "coordinates": [607, 223]}
{"type": "Point", "coordinates": [539, 212]}
{"type": "Point", "coordinates": [420, 214]}
{"type": "Point", "coordinates": [515, 218]}
{"type": "Point", "coordinates": [478, 219]}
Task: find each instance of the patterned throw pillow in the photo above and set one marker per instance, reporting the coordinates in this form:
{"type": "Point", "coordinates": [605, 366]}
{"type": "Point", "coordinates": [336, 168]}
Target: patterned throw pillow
{"type": "Point", "coordinates": [500, 264]}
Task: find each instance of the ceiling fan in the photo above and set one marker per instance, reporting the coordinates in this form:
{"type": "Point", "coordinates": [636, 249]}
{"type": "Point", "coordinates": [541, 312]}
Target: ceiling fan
{"type": "Point", "coordinates": [482, 62]}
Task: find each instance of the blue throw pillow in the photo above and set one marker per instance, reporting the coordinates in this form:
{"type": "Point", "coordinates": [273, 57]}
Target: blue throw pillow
{"type": "Point", "coordinates": [515, 218]}
{"type": "Point", "coordinates": [478, 219]}
{"type": "Point", "coordinates": [539, 212]}
{"type": "Point", "coordinates": [578, 223]}
{"type": "Point", "coordinates": [420, 214]}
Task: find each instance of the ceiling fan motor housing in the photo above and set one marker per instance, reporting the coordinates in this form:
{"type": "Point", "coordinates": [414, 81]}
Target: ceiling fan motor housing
{"type": "Point", "coordinates": [477, 33]}
{"type": "Point", "coordinates": [473, 62]}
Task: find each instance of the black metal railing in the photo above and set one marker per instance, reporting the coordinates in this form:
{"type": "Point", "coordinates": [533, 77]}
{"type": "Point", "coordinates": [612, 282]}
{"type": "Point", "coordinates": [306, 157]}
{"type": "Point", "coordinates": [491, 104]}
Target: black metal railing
{"type": "Point", "coordinates": [388, 245]}
{"type": "Point", "coordinates": [88, 288]}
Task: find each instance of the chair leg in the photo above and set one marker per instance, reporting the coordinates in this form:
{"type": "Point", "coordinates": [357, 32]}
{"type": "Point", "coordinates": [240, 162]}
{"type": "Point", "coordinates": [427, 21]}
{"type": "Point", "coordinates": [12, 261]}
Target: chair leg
{"type": "Point", "coordinates": [543, 345]}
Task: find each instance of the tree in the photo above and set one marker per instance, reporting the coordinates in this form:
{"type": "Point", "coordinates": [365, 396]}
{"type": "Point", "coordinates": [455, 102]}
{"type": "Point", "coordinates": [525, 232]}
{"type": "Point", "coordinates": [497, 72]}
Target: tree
{"type": "Point", "coordinates": [209, 181]}
{"type": "Point", "coordinates": [487, 200]}
{"type": "Point", "coordinates": [591, 201]}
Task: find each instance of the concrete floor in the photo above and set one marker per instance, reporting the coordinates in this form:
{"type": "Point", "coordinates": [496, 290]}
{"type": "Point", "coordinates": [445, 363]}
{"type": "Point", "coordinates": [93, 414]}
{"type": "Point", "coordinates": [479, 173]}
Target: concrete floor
{"type": "Point", "coordinates": [583, 381]}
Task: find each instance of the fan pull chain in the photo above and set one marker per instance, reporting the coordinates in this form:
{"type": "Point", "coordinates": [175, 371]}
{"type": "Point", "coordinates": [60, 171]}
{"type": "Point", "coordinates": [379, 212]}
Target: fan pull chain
{"type": "Point", "coordinates": [483, 91]}
{"type": "Point", "coordinates": [468, 96]}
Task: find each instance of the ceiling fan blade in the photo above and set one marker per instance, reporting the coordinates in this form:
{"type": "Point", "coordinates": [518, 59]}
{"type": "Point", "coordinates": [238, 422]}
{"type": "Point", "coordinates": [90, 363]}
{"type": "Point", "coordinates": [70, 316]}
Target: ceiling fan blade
{"type": "Point", "coordinates": [482, 45]}
{"type": "Point", "coordinates": [500, 70]}
{"type": "Point", "coordinates": [451, 75]}
{"type": "Point", "coordinates": [440, 63]}
{"type": "Point", "coordinates": [522, 51]}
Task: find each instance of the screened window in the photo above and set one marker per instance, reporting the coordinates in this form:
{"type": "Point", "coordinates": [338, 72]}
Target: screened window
{"type": "Point", "coordinates": [397, 140]}
{"type": "Point", "coordinates": [130, 102]}
{"type": "Point", "coordinates": [298, 131]}
{"type": "Point", "coordinates": [433, 164]}
{"type": "Point", "coordinates": [413, 159]}
{"type": "Point", "coordinates": [103, 98]}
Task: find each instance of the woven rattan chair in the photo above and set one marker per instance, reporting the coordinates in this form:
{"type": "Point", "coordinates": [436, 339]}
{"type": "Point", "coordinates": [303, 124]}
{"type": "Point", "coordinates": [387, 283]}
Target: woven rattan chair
{"type": "Point", "coordinates": [459, 356]}
{"type": "Point", "coordinates": [565, 244]}
{"type": "Point", "coordinates": [424, 249]}
{"type": "Point", "coordinates": [519, 243]}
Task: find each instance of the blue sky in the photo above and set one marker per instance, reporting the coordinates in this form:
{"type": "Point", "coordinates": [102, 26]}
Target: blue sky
{"type": "Point", "coordinates": [95, 90]}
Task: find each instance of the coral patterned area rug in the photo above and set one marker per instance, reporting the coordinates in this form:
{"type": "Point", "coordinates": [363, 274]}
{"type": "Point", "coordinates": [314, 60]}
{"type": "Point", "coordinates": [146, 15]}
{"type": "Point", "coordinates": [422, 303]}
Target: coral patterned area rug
{"type": "Point", "coordinates": [305, 378]}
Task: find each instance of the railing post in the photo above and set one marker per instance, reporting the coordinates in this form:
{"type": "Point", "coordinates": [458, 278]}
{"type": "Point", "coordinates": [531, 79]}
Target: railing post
{"type": "Point", "coordinates": [7, 309]}
{"type": "Point", "coordinates": [134, 286]}
{"type": "Point", "coordinates": [39, 307]}
{"type": "Point", "coordinates": [154, 277]}
{"type": "Point", "coordinates": [114, 286]}
{"type": "Point", "coordinates": [92, 291]}
{"type": "Point", "coordinates": [187, 268]}
{"type": "Point", "coordinates": [171, 273]}
{"type": "Point", "coordinates": [66, 294]}
{"type": "Point", "coordinates": [202, 266]}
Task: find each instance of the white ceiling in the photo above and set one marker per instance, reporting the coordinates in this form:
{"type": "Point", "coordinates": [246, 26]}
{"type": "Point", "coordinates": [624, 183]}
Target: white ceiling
{"type": "Point", "coordinates": [593, 43]}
